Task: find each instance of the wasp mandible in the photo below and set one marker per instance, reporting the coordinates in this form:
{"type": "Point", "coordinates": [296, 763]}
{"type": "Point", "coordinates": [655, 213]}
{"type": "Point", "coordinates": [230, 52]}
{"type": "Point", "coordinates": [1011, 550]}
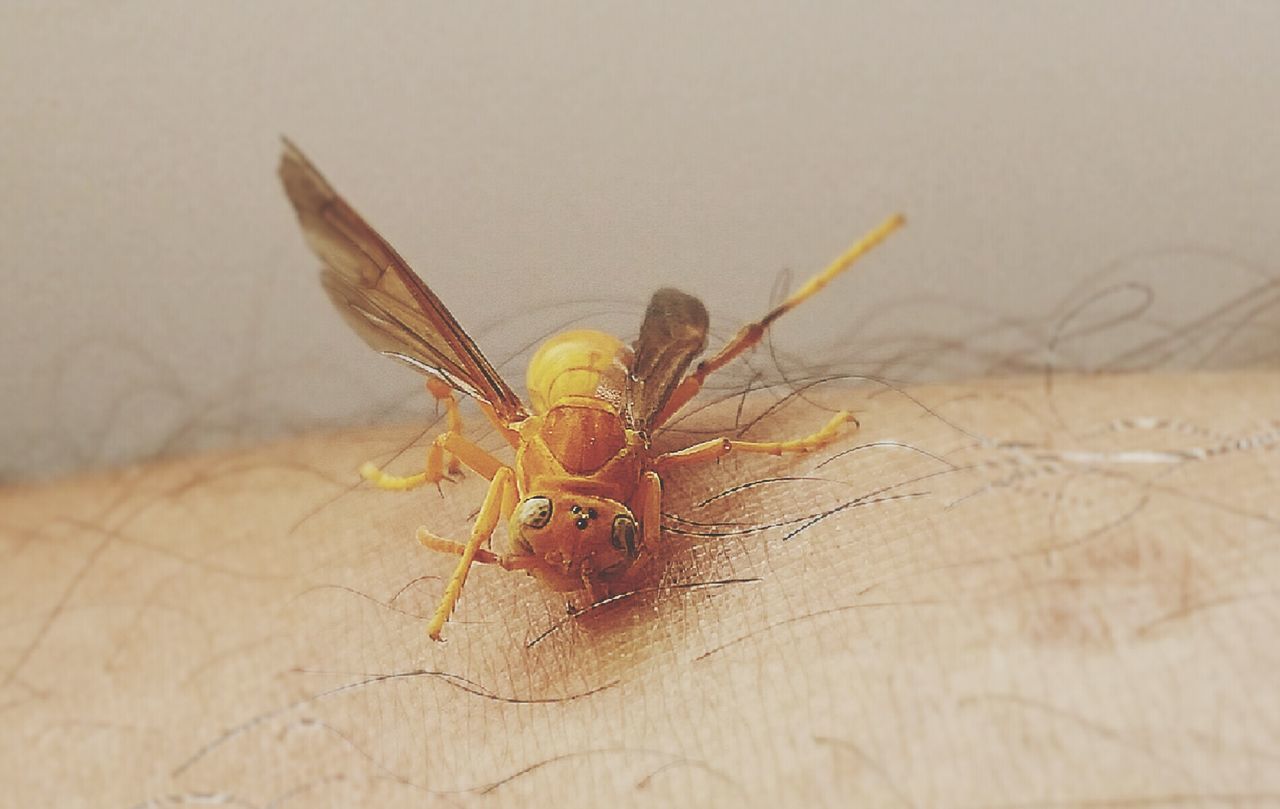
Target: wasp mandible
{"type": "Point", "coordinates": [583, 500]}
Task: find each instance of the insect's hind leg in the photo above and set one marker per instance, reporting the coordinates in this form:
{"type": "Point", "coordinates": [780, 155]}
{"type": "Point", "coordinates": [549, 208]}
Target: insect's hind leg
{"type": "Point", "coordinates": [719, 447]}
{"type": "Point", "coordinates": [451, 442]}
{"type": "Point", "coordinates": [752, 333]}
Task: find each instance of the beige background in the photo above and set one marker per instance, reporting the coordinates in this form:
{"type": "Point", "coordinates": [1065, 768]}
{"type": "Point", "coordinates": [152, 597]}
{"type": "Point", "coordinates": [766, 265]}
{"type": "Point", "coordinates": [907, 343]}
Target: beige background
{"type": "Point", "coordinates": [541, 163]}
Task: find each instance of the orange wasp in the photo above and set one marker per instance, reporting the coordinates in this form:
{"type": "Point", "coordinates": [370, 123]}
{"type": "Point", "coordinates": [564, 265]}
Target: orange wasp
{"type": "Point", "coordinates": [583, 501]}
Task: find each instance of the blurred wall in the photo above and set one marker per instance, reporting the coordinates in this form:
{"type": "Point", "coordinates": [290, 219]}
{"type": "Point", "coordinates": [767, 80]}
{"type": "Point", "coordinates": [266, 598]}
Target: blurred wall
{"type": "Point", "coordinates": [1084, 181]}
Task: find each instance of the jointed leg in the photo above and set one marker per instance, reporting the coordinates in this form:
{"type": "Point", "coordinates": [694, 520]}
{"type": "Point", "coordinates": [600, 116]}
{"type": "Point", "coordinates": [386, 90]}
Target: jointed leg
{"type": "Point", "coordinates": [484, 557]}
{"type": "Point", "coordinates": [462, 449]}
{"type": "Point", "coordinates": [443, 393]}
{"type": "Point", "coordinates": [459, 448]}
{"type": "Point", "coordinates": [751, 334]}
{"type": "Point", "coordinates": [647, 508]}
{"type": "Point", "coordinates": [486, 522]}
{"type": "Point", "coordinates": [649, 511]}
{"type": "Point", "coordinates": [719, 447]}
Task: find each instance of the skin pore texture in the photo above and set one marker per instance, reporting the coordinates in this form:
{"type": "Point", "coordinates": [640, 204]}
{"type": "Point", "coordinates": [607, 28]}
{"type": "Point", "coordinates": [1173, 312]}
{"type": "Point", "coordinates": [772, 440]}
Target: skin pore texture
{"type": "Point", "coordinates": [1013, 592]}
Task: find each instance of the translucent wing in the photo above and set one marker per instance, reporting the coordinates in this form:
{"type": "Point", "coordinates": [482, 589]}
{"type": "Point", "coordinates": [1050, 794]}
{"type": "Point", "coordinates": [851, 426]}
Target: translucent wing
{"type": "Point", "coordinates": [674, 332]}
{"type": "Point", "coordinates": [381, 298]}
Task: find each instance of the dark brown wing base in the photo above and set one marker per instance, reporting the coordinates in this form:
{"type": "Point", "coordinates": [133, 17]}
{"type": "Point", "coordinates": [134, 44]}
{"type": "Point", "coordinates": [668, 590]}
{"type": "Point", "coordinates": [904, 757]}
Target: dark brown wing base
{"type": "Point", "coordinates": [673, 334]}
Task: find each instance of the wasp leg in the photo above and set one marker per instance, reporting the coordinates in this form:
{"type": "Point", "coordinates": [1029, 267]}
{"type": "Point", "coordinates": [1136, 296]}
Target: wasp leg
{"type": "Point", "coordinates": [751, 334]}
{"type": "Point", "coordinates": [650, 512]}
{"type": "Point", "coordinates": [439, 389]}
{"type": "Point", "coordinates": [452, 442]}
{"type": "Point", "coordinates": [462, 449]}
{"type": "Point", "coordinates": [486, 522]}
{"type": "Point", "coordinates": [441, 392]}
{"type": "Point", "coordinates": [484, 557]}
{"type": "Point", "coordinates": [720, 447]}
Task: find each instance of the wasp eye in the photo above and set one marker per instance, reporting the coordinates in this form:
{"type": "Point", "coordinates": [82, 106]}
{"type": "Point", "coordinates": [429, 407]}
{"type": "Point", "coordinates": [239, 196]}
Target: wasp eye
{"type": "Point", "coordinates": [534, 512]}
{"type": "Point", "coordinates": [624, 535]}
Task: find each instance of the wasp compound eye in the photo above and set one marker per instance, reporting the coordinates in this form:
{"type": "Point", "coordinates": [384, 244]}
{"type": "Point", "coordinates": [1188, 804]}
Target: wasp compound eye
{"type": "Point", "coordinates": [534, 512]}
{"type": "Point", "coordinates": [624, 535]}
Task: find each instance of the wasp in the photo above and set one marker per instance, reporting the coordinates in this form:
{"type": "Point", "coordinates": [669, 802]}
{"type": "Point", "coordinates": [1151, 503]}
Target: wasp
{"type": "Point", "coordinates": [583, 500]}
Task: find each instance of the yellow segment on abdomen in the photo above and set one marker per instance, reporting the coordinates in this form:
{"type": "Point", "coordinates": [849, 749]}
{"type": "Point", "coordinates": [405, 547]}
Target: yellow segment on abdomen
{"type": "Point", "coordinates": [573, 363]}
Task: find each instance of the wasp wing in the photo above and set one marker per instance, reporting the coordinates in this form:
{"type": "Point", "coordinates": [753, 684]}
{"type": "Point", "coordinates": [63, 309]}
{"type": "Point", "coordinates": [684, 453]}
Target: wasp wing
{"type": "Point", "coordinates": [381, 298]}
{"type": "Point", "coordinates": [673, 334]}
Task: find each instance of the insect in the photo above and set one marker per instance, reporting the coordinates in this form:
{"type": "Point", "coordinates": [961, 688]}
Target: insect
{"type": "Point", "coordinates": [583, 500]}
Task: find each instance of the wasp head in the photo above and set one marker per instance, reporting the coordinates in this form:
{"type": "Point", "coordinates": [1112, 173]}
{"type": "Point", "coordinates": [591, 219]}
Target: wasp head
{"type": "Point", "coordinates": [575, 536]}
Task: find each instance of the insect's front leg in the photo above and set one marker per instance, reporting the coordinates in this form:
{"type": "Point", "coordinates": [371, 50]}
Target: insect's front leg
{"type": "Point", "coordinates": [495, 502]}
{"type": "Point", "coordinates": [507, 561]}
{"type": "Point", "coordinates": [649, 510]}
{"type": "Point", "coordinates": [441, 391]}
{"type": "Point", "coordinates": [719, 447]}
{"type": "Point", "coordinates": [459, 449]}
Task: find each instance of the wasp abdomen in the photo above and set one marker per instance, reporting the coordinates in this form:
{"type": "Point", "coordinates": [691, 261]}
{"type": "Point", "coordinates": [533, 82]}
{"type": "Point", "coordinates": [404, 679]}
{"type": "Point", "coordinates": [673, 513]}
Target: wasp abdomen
{"type": "Point", "coordinates": [577, 363]}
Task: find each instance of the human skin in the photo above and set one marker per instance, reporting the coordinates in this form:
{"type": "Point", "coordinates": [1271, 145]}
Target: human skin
{"type": "Point", "coordinates": [1037, 592]}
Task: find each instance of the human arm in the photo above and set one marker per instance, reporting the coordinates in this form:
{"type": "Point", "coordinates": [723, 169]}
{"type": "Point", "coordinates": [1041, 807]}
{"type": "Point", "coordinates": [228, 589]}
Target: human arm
{"type": "Point", "coordinates": [1025, 594]}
